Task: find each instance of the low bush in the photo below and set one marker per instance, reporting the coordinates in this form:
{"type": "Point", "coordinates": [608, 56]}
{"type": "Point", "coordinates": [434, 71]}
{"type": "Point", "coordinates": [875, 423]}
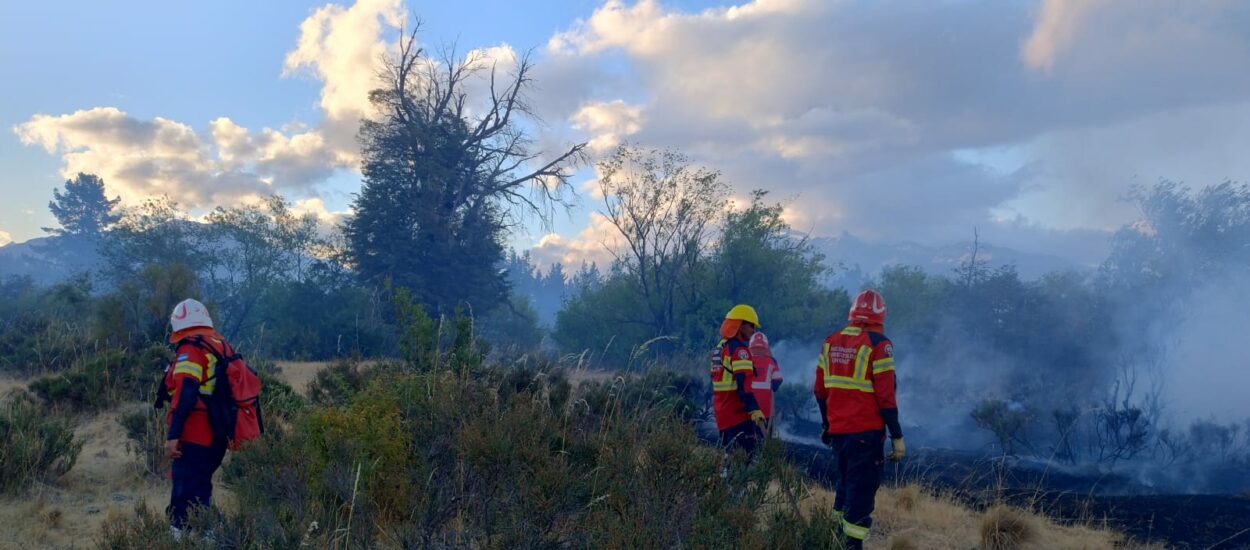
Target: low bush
{"type": "Point", "coordinates": [336, 384]}
{"type": "Point", "coordinates": [1005, 420]}
{"type": "Point", "coordinates": [505, 458]}
{"type": "Point", "coordinates": [278, 400]}
{"type": "Point", "coordinates": [105, 378]}
{"type": "Point", "coordinates": [34, 444]}
{"type": "Point", "coordinates": [442, 450]}
{"type": "Point", "coordinates": [145, 439]}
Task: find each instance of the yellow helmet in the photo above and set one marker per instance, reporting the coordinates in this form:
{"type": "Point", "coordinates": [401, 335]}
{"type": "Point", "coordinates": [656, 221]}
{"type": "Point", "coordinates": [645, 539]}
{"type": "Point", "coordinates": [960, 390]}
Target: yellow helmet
{"type": "Point", "coordinates": [743, 312]}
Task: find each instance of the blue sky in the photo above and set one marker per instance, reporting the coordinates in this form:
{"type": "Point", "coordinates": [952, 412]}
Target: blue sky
{"type": "Point", "coordinates": [912, 120]}
{"type": "Point", "coordinates": [191, 61]}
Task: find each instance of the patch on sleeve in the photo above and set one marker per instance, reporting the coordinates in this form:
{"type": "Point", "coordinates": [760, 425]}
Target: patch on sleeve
{"type": "Point", "coordinates": [889, 350]}
{"type": "Point", "coordinates": [744, 354]}
{"type": "Point", "coordinates": [183, 357]}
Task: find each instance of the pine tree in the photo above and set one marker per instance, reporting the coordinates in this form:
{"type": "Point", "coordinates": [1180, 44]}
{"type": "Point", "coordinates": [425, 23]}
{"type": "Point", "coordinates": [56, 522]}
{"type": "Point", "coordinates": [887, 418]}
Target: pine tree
{"type": "Point", "coordinates": [83, 209]}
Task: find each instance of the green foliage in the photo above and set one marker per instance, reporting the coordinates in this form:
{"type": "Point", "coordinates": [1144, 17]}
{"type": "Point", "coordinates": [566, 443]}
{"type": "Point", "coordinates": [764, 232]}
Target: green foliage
{"type": "Point", "coordinates": [278, 399]}
{"type": "Point", "coordinates": [41, 328]}
{"type": "Point", "coordinates": [418, 343]}
{"type": "Point", "coordinates": [336, 384]}
{"type": "Point", "coordinates": [794, 401]}
{"type": "Point", "coordinates": [35, 445]}
{"type": "Point", "coordinates": [759, 261]}
{"type": "Point", "coordinates": [497, 457]}
{"type": "Point", "coordinates": [137, 312]}
{"type": "Point", "coordinates": [672, 289]}
{"type": "Point", "coordinates": [82, 210]}
{"type": "Point", "coordinates": [1186, 237]}
{"type": "Point", "coordinates": [320, 318]}
{"type": "Point", "coordinates": [145, 432]}
{"type": "Point", "coordinates": [262, 269]}
{"type": "Point", "coordinates": [515, 325]}
{"type": "Point", "coordinates": [149, 530]}
{"type": "Point", "coordinates": [105, 378]}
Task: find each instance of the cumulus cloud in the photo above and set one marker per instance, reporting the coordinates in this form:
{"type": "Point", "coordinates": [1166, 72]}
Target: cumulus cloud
{"type": "Point", "coordinates": [861, 110]}
{"type": "Point", "coordinates": [343, 47]}
{"type": "Point", "coordinates": [317, 207]}
{"type": "Point", "coordinates": [609, 123]}
{"type": "Point", "coordinates": [593, 244]}
{"type": "Point", "coordinates": [340, 46]}
{"type": "Point", "coordinates": [5, 237]}
{"type": "Point", "coordinates": [144, 158]}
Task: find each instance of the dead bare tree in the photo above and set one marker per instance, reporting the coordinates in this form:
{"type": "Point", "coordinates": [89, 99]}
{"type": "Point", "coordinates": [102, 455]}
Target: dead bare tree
{"type": "Point", "coordinates": [1128, 414]}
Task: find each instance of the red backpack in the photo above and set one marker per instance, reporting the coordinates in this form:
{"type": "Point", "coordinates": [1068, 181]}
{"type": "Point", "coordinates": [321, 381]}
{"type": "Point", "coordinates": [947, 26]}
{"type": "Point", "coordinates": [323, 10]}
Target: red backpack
{"type": "Point", "coordinates": [234, 408]}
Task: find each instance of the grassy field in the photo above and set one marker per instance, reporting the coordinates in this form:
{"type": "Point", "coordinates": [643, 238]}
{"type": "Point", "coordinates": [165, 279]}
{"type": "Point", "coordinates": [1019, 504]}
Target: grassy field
{"type": "Point", "coordinates": [106, 483]}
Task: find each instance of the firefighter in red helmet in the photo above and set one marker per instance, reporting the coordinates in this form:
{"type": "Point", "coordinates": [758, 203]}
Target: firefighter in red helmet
{"type": "Point", "coordinates": [854, 388]}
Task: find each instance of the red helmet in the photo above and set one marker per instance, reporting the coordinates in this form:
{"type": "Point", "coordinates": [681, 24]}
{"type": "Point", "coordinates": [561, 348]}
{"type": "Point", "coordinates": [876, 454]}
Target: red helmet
{"type": "Point", "coordinates": [868, 308]}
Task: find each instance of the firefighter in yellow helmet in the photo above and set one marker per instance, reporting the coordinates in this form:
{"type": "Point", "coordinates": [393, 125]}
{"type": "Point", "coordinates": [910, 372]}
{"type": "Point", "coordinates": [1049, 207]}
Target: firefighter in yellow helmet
{"type": "Point", "coordinates": [738, 415]}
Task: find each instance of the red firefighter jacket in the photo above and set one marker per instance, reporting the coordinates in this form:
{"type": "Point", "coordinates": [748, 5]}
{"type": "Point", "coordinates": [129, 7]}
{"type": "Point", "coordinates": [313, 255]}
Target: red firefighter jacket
{"type": "Point", "coordinates": [732, 372]}
{"type": "Point", "coordinates": [855, 382]}
{"type": "Point", "coordinates": [193, 374]}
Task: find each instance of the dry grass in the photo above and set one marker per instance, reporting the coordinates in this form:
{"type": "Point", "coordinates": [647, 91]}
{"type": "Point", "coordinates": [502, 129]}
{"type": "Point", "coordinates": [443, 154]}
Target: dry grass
{"type": "Point", "coordinates": [912, 518]}
{"type": "Point", "coordinates": [9, 384]}
{"type": "Point", "coordinates": [299, 374]}
{"type": "Point", "coordinates": [1006, 528]}
{"type": "Point", "coordinates": [104, 483]}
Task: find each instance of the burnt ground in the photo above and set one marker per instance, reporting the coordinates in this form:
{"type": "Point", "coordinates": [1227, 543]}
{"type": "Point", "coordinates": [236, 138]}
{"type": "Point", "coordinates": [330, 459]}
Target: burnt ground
{"type": "Point", "coordinates": [1181, 521]}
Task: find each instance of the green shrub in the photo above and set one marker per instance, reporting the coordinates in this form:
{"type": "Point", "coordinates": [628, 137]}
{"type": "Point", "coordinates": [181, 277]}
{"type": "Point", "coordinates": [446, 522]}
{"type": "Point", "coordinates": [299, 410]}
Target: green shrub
{"type": "Point", "coordinates": [150, 531]}
{"type": "Point", "coordinates": [34, 444]}
{"type": "Point", "coordinates": [145, 433]}
{"type": "Point", "coordinates": [466, 455]}
{"type": "Point", "coordinates": [105, 378]}
{"type": "Point", "coordinates": [337, 384]}
{"type": "Point", "coordinates": [278, 400]}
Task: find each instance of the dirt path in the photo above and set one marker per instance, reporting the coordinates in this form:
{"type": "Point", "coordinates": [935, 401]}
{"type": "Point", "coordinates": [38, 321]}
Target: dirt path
{"type": "Point", "coordinates": [105, 482]}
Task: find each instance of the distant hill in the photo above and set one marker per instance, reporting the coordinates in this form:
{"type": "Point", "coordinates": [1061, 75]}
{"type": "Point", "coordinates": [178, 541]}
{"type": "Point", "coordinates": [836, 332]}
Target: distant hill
{"type": "Point", "coordinates": [49, 260]}
{"type": "Point", "coordinates": [862, 259]}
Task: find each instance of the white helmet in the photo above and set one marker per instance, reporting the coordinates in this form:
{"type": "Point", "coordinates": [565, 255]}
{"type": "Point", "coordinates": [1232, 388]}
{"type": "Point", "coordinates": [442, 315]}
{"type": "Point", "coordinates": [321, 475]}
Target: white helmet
{"type": "Point", "coordinates": [190, 313]}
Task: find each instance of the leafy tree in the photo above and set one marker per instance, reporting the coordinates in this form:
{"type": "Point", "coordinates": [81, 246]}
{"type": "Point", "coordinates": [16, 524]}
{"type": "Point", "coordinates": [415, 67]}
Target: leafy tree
{"type": "Point", "coordinates": [666, 211]}
{"type": "Point", "coordinates": [83, 209]}
{"type": "Point", "coordinates": [137, 311]}
{"type": "Point", "coordinates": [685, 258]}
{"type": "Point", "coordinates": [154, 232]}
{"type": "Point", "coordinates": [445, 175]}
{"type": "Point", "coordinates": [252, 248]}
{"type": "Point", "coordinates": [759, 261]}
{"type": "Point", "coordinates": [1183, 237]}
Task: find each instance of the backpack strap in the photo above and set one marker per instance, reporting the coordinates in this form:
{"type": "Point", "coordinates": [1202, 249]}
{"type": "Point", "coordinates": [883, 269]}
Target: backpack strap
{"type": "Point", "coordinates": [199, 342]}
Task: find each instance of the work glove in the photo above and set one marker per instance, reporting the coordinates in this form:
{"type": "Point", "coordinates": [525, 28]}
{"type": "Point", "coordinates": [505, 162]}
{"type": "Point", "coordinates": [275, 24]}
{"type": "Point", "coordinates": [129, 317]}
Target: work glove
{"type": "Point", "coordinates": [757, 416]}
{"type": "Point", "coordinates": [825, 436]}
{"type": "Point", "coordinates": [897, 450]}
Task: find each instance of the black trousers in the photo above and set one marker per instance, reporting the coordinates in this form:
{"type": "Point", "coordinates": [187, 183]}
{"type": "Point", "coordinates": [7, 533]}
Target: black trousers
{"type": "Point", "coordinates": [193, 479]}
{"type": "Point", "coordinates": [860, 462]}
{"type": "Point", "coordinates": [743, 436]}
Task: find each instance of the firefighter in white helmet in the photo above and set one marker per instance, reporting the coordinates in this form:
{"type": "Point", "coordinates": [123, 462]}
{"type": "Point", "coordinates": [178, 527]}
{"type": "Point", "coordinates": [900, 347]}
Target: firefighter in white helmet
{"type": "Point", "coordinates": [194, 451]}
